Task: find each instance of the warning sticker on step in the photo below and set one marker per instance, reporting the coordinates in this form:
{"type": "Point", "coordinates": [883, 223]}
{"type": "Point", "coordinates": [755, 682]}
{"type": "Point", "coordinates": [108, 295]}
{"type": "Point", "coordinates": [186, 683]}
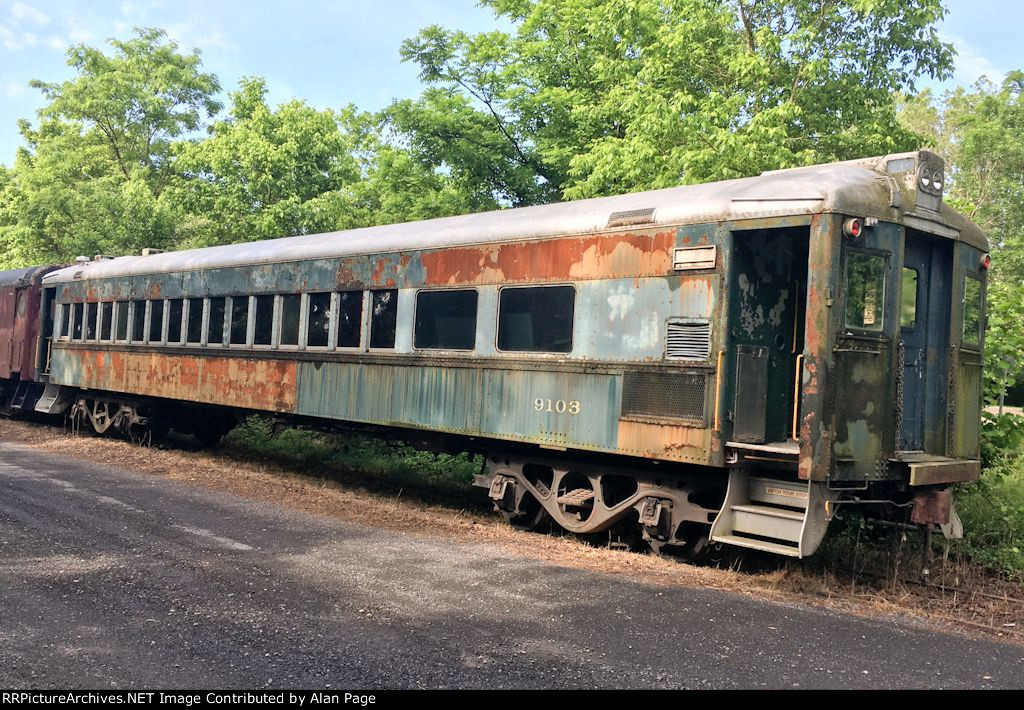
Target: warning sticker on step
{"type": "Point", "coordinates": [785, 492]}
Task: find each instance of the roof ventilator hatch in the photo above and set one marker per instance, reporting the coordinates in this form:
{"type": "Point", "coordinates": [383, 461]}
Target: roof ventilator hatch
{"type": "Point", "coordinates": [628, 218]}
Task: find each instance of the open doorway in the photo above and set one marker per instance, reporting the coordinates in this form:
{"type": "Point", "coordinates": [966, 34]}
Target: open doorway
{"type": "Point", "coordinates": [768, 293]}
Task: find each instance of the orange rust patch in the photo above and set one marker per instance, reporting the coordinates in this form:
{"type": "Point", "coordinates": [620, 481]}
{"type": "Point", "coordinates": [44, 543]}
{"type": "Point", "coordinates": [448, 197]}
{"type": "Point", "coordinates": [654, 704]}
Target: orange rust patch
{"type": "Point", "coordinates": [231, 382]}
{"type": "Point", "coordinates": [599, 257]}
{"type": "Point", "coordinates": [664, 441]}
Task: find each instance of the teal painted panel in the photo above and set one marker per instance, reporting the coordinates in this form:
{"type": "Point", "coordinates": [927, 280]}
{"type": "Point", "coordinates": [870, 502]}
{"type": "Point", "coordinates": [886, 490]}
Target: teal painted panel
{"type": "Point", "coordinates": [497, 403]}
{"type": "Point", "coordinates": [510, 407]}
{"type": "Point", "coordinates": [429, 397]}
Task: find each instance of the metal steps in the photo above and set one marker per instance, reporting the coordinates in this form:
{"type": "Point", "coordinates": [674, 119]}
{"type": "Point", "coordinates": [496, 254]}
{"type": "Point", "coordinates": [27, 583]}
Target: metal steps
{"type": "Point", "coordinates": [782, 516]}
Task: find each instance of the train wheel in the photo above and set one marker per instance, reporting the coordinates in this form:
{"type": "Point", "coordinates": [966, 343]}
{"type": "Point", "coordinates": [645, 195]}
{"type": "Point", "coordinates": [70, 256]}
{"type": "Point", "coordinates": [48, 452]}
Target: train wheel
{"type": "Point", "coordinates": [531, 516]}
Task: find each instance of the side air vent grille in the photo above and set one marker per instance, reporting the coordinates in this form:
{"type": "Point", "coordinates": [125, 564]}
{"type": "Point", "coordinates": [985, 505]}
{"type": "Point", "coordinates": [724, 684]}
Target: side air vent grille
{"type": "Point", "coordinates": [688, 340]}
{"type": "Point", "coordinates": [666, 395]}
{"type": "Point", "coordinates": [631, 217]}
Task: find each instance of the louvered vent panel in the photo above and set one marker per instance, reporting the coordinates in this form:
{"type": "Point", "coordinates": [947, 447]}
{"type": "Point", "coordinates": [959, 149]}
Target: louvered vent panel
{"type": "Point", "coordinates": [668, 395]}
{"type": "Point", "coordinates": [631, 217]}
{"type": "Point", "coordinates": [688, 341]}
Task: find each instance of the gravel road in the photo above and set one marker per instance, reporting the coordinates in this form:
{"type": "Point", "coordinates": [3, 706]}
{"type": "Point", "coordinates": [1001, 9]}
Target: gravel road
{"type": "Point", "coordinates": [111, 578]}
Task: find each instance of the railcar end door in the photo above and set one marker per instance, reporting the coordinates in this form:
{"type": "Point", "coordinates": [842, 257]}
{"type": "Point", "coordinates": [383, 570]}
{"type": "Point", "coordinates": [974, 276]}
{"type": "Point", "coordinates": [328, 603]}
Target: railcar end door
{"type": "Point", "coordinates": [923, 330]}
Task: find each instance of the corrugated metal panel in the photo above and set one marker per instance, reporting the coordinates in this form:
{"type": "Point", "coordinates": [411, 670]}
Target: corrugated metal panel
{"type": "Point", "coordinates": [496, 403]}
{"type": "Point", "coordinates": [510, 407]}
{"type": "Point", "coordinates": [446, 399]}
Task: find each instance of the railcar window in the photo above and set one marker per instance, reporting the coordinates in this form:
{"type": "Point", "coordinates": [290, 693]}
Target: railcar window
{"type": "Point", "coordinates": [264, 320]}
{"type": "Point", "coordinates": [445, 320]}
{"type": "Point", "coordinates": [156, 321]}
{"type": "Point", "coordinates": [350, 318]}
{"type": "Point", "coordinates": [383, 318]}
{"type": "Point", "coordinates": [76, 328]}
{"type": "Point", "coordinates": [318, 320]}
{"type": "Point", "coordinates": [215, 326]}
{"type": "Point", "coordinates": [239, 320]}
{"type": "Point", "coordinates": [106, 321]}
{"type": "Point", "coordinates": [908, 312]}
{"type": "Point", "coordinates": [90, 321]}
{"type": "Point", "coordinates": [175, 311]}
{"type": "Point", "coordinates": [194, 332]}
{"type": "Point", "coordinates": [536, 319]}
{"type": "Point", "coordinates": [291, 307]}
{"type": "Point", "coordinates": [972, 310]}
{"type": "Point", "coordinates": [138, 321]}
{"type": "Point", "coordinates": [865, 291]}
{"type": "Point", "coordinates": [65, 320]}
{"type": "Point", "coordinates": [122, 320]}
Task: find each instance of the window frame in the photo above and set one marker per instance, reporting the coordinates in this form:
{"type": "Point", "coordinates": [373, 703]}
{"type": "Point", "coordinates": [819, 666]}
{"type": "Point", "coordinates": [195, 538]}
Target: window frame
{"type": "Point", "coordinates": [122, 307]}
{"type": "Point", "coordinates": [476, 318]}
{"type": "Point", "coordinates": [363, 343]}
{"type": "Point", "coordinates": [229, 321]}
{"type": "Point", "coordinates": [332, 300]}
{"type": "Point", "coordinates": [101, 308]}
{"type": "Point", "coordinates": [886, 258]}
{"type": "Point", "coordinates": [368, 306]}
{"type": "Point", "coordinates": [973, 345]}
{"type": "Point", "coordinates": [279, 323]}
{"type": "Point", "coordinates": [537, 353]}
{"type": "Point", "coordinates": [167, 323]}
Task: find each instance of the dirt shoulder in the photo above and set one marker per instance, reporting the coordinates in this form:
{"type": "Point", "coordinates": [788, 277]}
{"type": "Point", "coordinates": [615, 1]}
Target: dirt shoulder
{"type": "Point", "coordinates": [971, 601]}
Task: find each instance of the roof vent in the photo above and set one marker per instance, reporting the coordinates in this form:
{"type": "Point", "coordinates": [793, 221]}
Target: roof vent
{"type": "Point", "coordinates": [102, 257]}
{"type": "Point", "coordinates": [151, 252]}
{"type": "Point", "coordinates": [630, 217]}
{"type": "Point", "coordinates": [81, 260]}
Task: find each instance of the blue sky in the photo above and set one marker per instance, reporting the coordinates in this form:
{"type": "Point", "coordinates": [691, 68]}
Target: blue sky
{"type": "Point", "coordinates": [334, 53]}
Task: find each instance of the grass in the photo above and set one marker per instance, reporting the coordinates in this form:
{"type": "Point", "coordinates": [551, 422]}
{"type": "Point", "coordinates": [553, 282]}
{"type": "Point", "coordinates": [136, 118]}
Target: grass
{"type": "Point", "coordinates": [328, 454]}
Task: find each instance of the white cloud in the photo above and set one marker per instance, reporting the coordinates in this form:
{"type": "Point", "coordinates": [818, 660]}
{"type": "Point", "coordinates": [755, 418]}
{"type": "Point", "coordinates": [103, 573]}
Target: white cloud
{"type": "Point", "coordinates": [56, 42]}
{"type": "Point", "coordinates": [8, 38]}
{"type": "Point", "coordinates": [209, 37]}
{"type": "Point", "coordinates": [13, 88]}
{"type": "Point", "coordinates": [128, 7]}
{"type": "Point", "coordinates": [971, 64]}
{"type": "Point", "coordinates": [23, 11]}
{"type": "Point", "coordinates": [80, 36]}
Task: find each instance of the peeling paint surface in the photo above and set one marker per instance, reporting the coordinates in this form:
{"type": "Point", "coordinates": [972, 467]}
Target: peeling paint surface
{"type": "Point", "coordinates": [263, 384]}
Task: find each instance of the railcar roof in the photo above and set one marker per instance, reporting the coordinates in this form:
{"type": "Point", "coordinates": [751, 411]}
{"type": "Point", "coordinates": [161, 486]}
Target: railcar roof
{"type": "Point", "coordinates": [22, 277]}
{"type": "Point", "coordinates": [857, 188]}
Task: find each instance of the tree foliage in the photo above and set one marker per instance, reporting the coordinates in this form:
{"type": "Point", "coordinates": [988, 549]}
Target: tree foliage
{"type": "Point", "coordinates": [91, 176]}
{"type": "Point", "coordinates": [591, 97]}
{"type": "Point", "coordinates": [978, 131]}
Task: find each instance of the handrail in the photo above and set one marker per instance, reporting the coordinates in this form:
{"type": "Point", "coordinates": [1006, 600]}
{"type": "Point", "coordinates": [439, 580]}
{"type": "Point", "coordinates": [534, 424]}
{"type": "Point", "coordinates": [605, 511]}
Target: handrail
{"type": "Point", "coordinates": [718, 387]}
{"type": "Point", "coordinates": [796, 393]}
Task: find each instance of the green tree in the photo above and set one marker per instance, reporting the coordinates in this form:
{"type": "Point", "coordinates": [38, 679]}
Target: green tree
{"type": "Point", "coordinates": [978, 131]}
{"type": "Point", "coordinates": [92, 175]}
{"type": "Point", "coordinates": [265, 173]}
{"type": "Point", "coordinates": [591, 97]}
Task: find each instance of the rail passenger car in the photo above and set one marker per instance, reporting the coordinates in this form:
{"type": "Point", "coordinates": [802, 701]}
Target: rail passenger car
{"type": "Point", "coordinates": [730, 361]}
{"type": "Point", "coordinates": [21, 338]}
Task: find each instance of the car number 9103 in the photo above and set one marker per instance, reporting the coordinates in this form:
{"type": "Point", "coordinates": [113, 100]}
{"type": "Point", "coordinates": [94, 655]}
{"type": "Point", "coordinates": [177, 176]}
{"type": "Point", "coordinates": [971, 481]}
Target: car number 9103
{"type": "Point", "coordinates": [560, 406]}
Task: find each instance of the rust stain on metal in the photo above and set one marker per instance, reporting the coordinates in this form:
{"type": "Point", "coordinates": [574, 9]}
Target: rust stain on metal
{"type": "Point", "coordinates": [231, 382]}
{"type": "Point", "coordinates": [614, 256]}
{"type": "Point", "coordinates": [664, 441]}
{"type": "Point", "coordinates": [931, 507]}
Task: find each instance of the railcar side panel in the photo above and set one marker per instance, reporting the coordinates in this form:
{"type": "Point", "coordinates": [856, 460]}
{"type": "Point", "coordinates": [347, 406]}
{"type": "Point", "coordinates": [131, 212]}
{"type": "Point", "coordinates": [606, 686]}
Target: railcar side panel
{"type": "Point", "coordinates": [245, 383]}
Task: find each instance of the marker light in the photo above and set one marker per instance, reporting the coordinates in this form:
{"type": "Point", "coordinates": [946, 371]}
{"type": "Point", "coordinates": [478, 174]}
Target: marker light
{"type": "Point", "coordinates": [986, 261]}
{"type": "Point", "coordinates": [853, 227]}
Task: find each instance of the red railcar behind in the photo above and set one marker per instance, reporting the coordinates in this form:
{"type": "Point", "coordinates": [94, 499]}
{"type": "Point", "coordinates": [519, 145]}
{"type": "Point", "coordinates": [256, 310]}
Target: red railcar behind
{"type": "Point", "coordinates": [23, 353]}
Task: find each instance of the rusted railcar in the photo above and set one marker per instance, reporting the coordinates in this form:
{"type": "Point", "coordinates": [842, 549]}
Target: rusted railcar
{"type": "Point", "coordinates": [730, 361]}
{"type": "Point", "coordinates": [22, 351]}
